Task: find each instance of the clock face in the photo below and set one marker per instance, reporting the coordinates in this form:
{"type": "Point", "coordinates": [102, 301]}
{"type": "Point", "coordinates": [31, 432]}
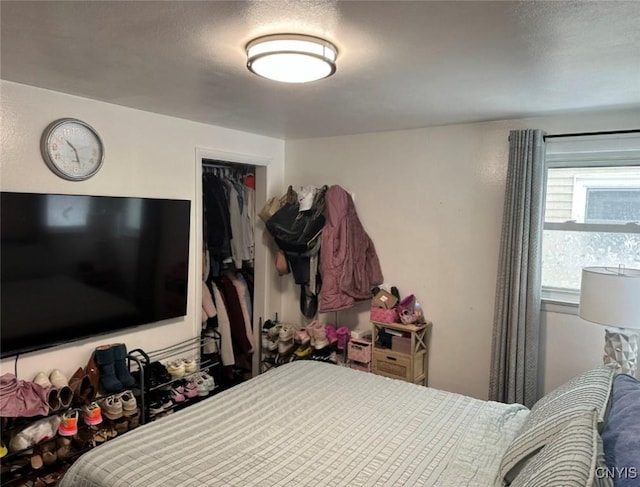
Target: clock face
{"type": "Point", "coordinates": [72, 149]}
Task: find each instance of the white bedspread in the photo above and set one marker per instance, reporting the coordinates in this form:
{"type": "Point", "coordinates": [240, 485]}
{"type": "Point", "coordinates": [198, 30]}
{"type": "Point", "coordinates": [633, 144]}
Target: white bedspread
{"type": "Point", "coordinates": [311, 424]}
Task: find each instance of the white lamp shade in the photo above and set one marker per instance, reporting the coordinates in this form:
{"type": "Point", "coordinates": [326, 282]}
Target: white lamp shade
{"type": "Point", "coordinates": [610, 296]}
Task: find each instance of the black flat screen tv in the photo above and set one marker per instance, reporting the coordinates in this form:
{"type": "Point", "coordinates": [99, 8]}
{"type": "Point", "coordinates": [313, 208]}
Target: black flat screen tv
{"type": "Point", "coordinates": [74, 266]}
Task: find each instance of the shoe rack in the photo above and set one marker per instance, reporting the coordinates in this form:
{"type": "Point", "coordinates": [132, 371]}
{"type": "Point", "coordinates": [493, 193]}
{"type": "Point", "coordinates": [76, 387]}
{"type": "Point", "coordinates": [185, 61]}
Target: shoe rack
{"type": "Point", "coordinates": [161, 389]}
{"type": "Point", "coordinates": [43, 463]}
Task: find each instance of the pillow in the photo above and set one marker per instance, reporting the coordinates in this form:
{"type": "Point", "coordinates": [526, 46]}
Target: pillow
{"type": "Point", "coordinates": [569, 459]}
{"type": "Point", "coordinates": [590, 389]}
{"type": "Point", "coordinates": [548, 416]}
{"type": "Point", "coordinates": [621, 435]}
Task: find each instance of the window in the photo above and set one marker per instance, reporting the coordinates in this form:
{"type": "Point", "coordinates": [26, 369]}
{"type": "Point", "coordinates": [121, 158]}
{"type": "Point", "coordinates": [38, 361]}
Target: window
{"type": "Point", "coordinates": [592, 212]}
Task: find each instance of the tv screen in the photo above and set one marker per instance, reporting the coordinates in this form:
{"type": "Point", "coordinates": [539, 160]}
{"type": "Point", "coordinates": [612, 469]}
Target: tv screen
{"type": "Point", "coordinates": [75, 266]}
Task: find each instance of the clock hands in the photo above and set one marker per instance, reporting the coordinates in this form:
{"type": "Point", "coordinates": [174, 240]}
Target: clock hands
{"type": "Point", "coordinates": [74, 150]}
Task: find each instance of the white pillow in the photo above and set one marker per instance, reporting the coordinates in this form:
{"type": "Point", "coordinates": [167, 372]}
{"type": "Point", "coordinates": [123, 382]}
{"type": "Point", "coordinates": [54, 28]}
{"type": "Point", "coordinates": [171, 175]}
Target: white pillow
{"type": "Point", "coordinates": [568, 460]}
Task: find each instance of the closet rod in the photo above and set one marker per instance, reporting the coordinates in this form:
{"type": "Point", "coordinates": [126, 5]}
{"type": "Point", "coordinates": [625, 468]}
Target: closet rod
{"type": "Point", "coordinates": [580, 134]}
{"type": "Point", "coordinates": [225, 165]}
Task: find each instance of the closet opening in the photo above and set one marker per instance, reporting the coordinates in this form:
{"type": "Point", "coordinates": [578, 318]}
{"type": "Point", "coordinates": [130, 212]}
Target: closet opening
{"type": "Point", "coordinates": [233, 257]}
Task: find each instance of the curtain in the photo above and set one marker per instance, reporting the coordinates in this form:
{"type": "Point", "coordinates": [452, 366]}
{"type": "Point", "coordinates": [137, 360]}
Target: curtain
{"type": "Point", "coordinates": [515, 348]}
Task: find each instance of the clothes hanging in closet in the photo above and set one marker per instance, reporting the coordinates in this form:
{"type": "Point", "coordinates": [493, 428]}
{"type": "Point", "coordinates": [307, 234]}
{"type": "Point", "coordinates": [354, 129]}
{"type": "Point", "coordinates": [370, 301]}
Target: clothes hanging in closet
{"type": "Point", "coordinates": [229, 205]}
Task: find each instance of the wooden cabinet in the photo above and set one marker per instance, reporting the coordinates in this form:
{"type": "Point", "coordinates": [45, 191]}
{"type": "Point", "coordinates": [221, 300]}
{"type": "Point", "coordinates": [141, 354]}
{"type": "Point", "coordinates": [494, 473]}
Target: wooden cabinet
{"type": "Point", "coordinates": [401, 351]}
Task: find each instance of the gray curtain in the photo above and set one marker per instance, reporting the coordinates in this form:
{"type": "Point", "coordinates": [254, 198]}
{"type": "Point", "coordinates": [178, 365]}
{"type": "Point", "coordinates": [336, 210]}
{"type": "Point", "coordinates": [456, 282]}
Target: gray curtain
{"type": "Point", "coordinates": [516, 325]}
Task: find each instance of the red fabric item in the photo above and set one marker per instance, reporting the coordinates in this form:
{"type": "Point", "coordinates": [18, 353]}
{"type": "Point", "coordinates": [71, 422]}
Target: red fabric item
{"type": "Point", "coordinates": [20, 398]}
{"type": "Point", "coordinates": [348, 260]}
{"type": "Point", "coordinates": [250, 181]}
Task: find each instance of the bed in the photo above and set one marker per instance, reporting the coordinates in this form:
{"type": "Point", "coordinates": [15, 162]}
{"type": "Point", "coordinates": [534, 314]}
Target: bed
{"type": "Point", "coordinates": [310, 423]}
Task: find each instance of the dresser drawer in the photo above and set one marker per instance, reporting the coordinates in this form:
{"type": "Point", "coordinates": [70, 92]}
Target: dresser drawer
{"type": "Point", "coordinates": [398, 365]}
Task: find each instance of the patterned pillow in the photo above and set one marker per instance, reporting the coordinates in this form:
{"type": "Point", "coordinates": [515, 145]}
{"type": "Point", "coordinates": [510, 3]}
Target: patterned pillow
{"type": "Point", "coordinates": [568, 460]}
{"type": "Point", "coordinates": [588, 391]}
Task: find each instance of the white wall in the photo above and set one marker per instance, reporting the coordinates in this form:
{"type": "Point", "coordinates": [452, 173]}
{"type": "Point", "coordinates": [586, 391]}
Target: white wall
{"type": "Point", "coordinates": [432, 199]}
{"type": "Point", "coordinates": [147, 155]}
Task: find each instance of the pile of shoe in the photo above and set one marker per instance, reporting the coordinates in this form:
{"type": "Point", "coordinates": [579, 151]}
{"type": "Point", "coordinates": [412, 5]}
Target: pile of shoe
{"type": "Point", "coordinates": [165, 400]}
{"type": "Point", "coordinates": [282, 343]}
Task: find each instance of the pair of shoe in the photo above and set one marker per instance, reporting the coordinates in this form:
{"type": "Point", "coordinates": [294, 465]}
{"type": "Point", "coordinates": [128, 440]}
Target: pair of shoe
{"type": "Point", "coordinates": [160, 402]}
{"type": "Point", "coordinates": [56, 385]}
{"type": "Point", "coordinates": [188, 389]}
{"type": "Point", "coordinates": [285, 339]}
{"type": "Point", "coordinates": [118, 405]}
{"type": "Point", "coordinates": [91, 414]}
{"type": "Point", "coordinates": [181, 367]}
{"type": "Point", "coordinates": [274, 331]}
{"type": "Point", "coordinates": [318, 334]}
{"type": "Point", "coordinates": [201, 384]}
{"type": "Point", "coordinates": [44, 454]}
{"type": "Point", "coordinates": [114, 372]}
{"type": "Point", "coordinates": [267, 328]}
{"type": "Point", "coordinates": [302, 337]}
{"type": "Point", "coordinates": [103, 433]}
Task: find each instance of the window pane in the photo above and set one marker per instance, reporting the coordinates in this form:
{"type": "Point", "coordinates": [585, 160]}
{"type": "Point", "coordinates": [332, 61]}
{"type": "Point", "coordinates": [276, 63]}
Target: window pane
{"type": "Point", "coordinates": [565, 253]}
{"type": "Point", "coordinates": [593, 194]}
{"type": "Point", "coordinates": [612, 205]}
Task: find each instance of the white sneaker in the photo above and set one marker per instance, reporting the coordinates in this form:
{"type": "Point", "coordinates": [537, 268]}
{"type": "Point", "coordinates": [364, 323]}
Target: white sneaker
{"type": "Point", "coordinates": [176, 368]}
{"type": "Point", "coordinates": [211, 385]}
{"type": "Point", "coordinates": [203, 389]}
{"type": "Point", "coordinates": [129, 403]}
{"type": "Point", "coordinates": [111, 407]}
{"type": "Point", "coordinates": [285, 339]}
{"type": "Point", "coordinates": [190, 365]}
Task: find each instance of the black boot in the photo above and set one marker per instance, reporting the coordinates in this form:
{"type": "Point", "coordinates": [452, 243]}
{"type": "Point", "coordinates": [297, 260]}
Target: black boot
{"type": "Point", "coordinates": [122, 370]}
{"type": "Point", "coordinates": [104, 356]}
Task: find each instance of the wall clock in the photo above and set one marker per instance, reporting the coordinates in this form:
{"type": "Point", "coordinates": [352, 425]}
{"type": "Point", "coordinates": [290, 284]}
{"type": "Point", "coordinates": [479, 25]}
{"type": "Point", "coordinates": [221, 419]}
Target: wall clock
{"type": "Point", "coordinates": [72, 149]}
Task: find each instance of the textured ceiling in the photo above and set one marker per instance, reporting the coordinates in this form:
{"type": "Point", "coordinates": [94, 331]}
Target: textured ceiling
{"type": "Point", "coordinates": [401, 64]}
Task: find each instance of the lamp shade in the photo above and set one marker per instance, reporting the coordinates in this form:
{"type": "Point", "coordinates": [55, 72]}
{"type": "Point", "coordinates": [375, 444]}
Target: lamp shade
{"type": "Point", "coordinates": [610, 296]}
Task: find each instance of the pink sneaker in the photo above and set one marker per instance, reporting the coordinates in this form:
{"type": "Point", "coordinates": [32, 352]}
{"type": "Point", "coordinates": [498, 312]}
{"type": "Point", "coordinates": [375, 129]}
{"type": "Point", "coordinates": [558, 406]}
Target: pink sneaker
{"type": "Point", "coordinates": [302, 337]}
{"type": "Point", "coordinates": [309, 330]}
{"type": "Point", "coordinates": [68, 423]}
{"type": "Point", "coordinates": [332, 336]}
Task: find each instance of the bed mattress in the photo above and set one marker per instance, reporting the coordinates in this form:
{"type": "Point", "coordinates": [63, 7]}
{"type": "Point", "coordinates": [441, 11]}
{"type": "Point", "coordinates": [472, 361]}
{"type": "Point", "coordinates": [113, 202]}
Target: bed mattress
{"type": "Point", "coordinates": [311, 424]}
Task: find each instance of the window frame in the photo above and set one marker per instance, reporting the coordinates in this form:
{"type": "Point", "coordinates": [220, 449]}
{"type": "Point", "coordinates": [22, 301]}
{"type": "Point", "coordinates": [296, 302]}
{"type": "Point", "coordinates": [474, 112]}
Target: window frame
{"type": "Point", "coordinates": [620, 150]}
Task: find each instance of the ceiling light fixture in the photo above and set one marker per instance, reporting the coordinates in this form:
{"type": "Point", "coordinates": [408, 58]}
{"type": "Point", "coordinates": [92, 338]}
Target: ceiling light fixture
{"type": "Point", "coordinates": [291, 58]}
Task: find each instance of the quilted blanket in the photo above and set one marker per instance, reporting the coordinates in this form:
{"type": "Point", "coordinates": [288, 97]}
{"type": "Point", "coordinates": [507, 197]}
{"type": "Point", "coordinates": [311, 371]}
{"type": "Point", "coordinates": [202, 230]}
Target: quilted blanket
{"type": "Point", "coordinates": [311, 424]}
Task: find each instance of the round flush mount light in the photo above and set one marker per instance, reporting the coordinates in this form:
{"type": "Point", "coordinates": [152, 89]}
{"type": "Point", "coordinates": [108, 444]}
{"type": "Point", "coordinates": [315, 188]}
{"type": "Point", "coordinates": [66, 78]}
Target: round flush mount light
{"type": "Point", "coordinates": [291, 58]}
